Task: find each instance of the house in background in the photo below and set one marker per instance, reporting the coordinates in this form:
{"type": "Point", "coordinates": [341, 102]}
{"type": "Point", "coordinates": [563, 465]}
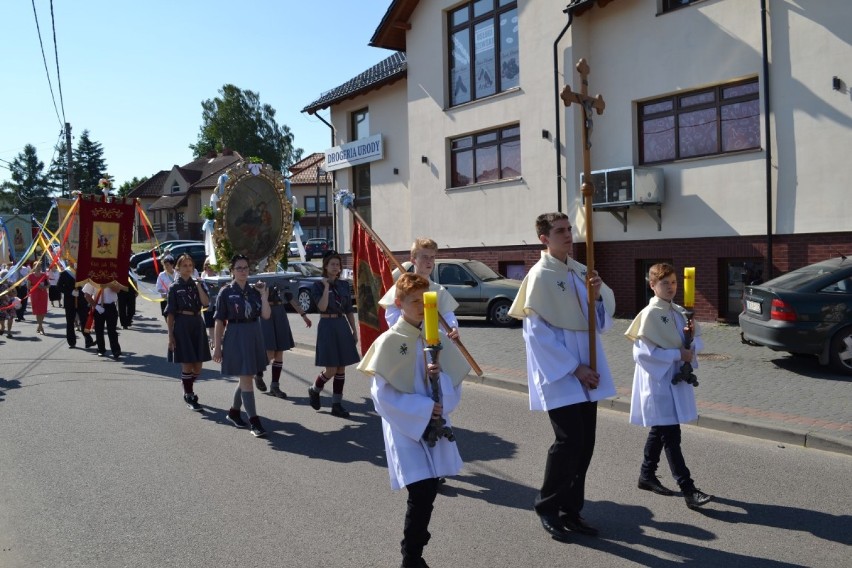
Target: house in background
{"type": "Point", "coordinates": [172, 199]}
{"type": "Point", "coordinates": [713, 151]}
{"type": "Point", "coordinates": [312, 187]}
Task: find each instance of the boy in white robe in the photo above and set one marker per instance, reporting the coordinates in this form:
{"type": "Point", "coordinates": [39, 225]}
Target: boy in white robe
{"type": "Point", "coordinates": [552, 302]}
{"type": "Point", "coordinates": [402, 396]}
{"type": "Point", "coordinates": [658, 335]}
{"type": "Point", "coordinates": [423, 254]}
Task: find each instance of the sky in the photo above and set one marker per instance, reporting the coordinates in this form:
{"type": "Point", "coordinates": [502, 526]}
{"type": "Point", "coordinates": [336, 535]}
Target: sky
{"type": "Point", "coordinates": [134, 74]}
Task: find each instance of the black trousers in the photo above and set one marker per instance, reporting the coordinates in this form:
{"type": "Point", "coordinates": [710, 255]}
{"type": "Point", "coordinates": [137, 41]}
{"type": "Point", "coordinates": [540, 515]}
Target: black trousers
{"type": "Point", "coordinates": [73, 312]}
{"type": "Point", "coordinates": [421, 497]}
{"type": "Point", "coordinates": [22, 295]}
{"type": "Point", "coordinates": [667, 437]}
{"type": "Point", "coordinates": [564, 487]}
{"type": "Point", "coordinates": [126, 307]}
{"type": "Point", "coordinates": [108, 319]}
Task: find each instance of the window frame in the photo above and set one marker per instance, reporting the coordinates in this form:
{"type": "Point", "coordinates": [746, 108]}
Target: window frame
{"type": "Point", "coordinates": [354, 121]}
{"type": "Point", "coordinates": [678, 109]}
{"type": "Point", "coordinates": [502, 139]}
{"type": "Point", "coordinates": [470, 24]}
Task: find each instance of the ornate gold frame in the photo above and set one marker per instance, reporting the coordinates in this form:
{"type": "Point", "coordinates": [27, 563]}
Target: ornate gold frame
{"type": "Point", "coordinates": [253, 180]}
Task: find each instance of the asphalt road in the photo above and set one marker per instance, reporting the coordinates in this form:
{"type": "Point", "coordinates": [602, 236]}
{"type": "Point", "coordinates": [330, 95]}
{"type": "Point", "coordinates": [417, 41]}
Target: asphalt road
{"type": "Point", "coordinates": [101, 465]}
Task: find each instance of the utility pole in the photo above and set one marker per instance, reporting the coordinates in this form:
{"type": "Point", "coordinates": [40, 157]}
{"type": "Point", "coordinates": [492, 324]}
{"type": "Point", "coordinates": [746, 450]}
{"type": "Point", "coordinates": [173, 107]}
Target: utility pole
{"type": "Point", "coordinates": [69, 159]}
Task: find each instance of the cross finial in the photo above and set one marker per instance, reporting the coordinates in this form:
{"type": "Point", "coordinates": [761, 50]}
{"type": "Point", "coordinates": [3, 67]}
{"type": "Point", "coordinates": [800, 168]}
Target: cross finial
{"type": "Point", "coordinates": [582, 98]}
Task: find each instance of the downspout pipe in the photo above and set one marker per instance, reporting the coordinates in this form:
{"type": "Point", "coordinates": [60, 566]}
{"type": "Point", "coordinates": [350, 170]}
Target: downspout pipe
{"type": "Point", "coordinates": [764, 15]}
{"type": "Point", "coordinates": [337, 241]}
{"type": "Point", "coordinates": [556, 100]}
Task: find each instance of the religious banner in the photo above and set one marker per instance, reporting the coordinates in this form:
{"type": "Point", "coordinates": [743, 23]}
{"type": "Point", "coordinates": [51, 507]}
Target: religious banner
{"type": "Point", "coordinates": [106, 233]}
{"type": "Point", "coordinates": [372, 279]}
{"type": "Point", "coordinates": [71, 233]}
{"type": "Point", "coordinates": [20, 235]}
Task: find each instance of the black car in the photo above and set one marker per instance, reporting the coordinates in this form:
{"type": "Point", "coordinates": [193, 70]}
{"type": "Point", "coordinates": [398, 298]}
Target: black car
{"type": "Point", "coordinates": [807, 311]}
{"type": "Point", "coordinates": [161, 249]}
{"type": "Point", "coordinates": [315, 247]}
{"type": "Point", "coordinates": [146, 269]}
{"type": "Point", "coordinates": [301, 286]}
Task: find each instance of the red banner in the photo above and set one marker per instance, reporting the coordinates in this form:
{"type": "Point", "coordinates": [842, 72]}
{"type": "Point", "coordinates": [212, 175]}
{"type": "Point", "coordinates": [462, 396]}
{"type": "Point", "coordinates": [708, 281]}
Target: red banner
{"type": "Point", "coordinates": [372, 279]}
{"type": "Point", "coordinates": [106, 233]}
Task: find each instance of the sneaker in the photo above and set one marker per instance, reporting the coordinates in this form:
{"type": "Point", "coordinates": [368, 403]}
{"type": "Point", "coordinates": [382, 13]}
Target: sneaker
{"type": "Point", "coordinates": [259, 384]}
{"type": "Point", "coordinates": [256, 427]}
{"type": "Point", "coordinates": [338, 410]}
{"type": "Point", "coordinates": [191, 401]}
{"type": "Point", "coordinates": [234, 418]}
{"type": "Point", "coordinates": [315, 398]}
{"type": "Point", "coordinates": [275, 390]}
{"type": "Point", "coordinates": [695, 498]}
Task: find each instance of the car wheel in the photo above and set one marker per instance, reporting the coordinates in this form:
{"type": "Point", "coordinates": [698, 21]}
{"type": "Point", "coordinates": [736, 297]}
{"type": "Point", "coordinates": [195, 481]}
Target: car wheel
{"type": "Point", "coordinates": [841, 351]}
{"type": "Point", "coordinates": [498, 313]}
{"type": "Point", "coordinates": [304, 300]}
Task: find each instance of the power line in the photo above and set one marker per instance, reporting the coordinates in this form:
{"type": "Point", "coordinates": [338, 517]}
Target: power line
{"type": "Point", "coordinates": [56, 56]}
{"type": "Point", "coordinates": [44, 58]}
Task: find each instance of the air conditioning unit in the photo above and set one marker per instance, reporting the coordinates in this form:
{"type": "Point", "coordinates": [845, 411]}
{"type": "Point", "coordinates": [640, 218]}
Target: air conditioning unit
{"type": "Point", "coordinates": [627, 186]}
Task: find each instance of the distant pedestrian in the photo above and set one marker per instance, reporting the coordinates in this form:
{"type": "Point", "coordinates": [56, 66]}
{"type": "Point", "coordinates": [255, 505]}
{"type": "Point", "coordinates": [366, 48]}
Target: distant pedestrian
{"type": "Point", "coordinates": [165, 279]}
{"type": "Point", "coordinates": [38, 285]}
{"type": "Point", "coordinates": [22, 290]}
{"type": "Point", "coordinates": [658, 335]}
{"type": "Point", "coordinates": [102, 299]}
{"type": "Point", "coordinates": [8, 300]}
{"type": "Point", "coordinates": [187, 339]}
{"type": "Point", "coordinates": [278, 337]}
{"type": "Point", "coordinates": [238, 340]}
{"type": "Point", "coordinates": [337, 340]}
{"type": "Point", "coordinates": [76, 307]}
{"type": "Point", "coordinates": [53, 292]}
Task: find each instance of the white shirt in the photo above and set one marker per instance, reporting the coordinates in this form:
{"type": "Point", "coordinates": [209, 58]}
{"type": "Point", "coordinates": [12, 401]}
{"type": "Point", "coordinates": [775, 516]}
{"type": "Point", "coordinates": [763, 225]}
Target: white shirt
{"type": "Point", "coordinates": [109, 295]}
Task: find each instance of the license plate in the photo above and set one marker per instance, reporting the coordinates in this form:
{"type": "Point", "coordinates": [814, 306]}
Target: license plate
{"type": "Point", "coordinates": [753, 306]}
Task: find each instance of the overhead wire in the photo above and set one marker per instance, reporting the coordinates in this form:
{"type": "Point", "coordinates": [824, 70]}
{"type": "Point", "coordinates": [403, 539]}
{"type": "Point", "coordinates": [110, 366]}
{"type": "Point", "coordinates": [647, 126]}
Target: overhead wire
{"type": "Point", "coordinates": [44, 58]}
{"type": "Point", "coordinates": [56, 56]}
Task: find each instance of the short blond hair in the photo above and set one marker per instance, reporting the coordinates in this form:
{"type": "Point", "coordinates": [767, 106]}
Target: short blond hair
{"type": "Point", "coordinates": [410, 283]}
{"type": "Point", "coordinates": [422, 243]}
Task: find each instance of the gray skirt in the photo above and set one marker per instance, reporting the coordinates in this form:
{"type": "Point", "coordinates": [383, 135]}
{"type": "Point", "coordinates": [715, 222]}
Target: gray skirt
{"type": "Point", "coordinates": [335, 344]}
{"type": "Point", "coordinates": [277, 335]}
{"type": "Point", "coordinates": [191, 344]}
{"type": "Point", "coordinates": [242, 349]}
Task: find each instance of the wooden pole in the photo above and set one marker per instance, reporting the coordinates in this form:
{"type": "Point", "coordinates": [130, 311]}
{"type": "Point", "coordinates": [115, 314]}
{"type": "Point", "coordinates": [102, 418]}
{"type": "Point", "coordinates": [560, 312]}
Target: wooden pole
{"type": "Point", "coordinates": [587, 103]}
{"type": "Point", "coordinates": [387, 252]}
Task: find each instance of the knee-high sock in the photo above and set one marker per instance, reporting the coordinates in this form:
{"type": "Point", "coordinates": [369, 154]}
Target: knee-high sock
{"type": "Point", "coordinates": [238, 399]}
{"type": "Point", "coordinates": [337, 388]}
{"type": "Point", "coordinates": [248, 402]}
{"type": "Point", "coordinates": [320, 382]}
{"type": "Point", "coordinates": [186, 379]}
{"type": "Point", "coordinates": [276, 371]}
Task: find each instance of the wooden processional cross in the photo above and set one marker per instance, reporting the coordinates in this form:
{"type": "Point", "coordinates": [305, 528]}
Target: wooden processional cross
{"type": "Point", "coordinates": [588, 104]}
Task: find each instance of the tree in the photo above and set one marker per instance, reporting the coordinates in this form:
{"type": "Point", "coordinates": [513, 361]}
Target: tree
{"type": "Point", "coordinates": [29, 183]}
{"type": "Point", "coordinates": [237, 120]}
{"type": "Point", "coordinates": [57, 173]}
{"type": "Point", "coordinates": [89, 164]}
{"type": "Point", "coordinates": [127, 186]}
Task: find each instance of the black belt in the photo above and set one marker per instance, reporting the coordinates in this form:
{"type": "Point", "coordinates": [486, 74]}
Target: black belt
{"type": "Point", "coordinates": [275, 303]}
{"type": "Point", "coordinates": [187, 313]}
{"type": "Point", "coordinates": [242, 321]}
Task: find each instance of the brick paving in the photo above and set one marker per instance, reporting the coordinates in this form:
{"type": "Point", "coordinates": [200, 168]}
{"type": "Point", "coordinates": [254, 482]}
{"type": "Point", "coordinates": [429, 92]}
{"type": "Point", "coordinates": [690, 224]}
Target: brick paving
{"type": "Point", "coordinates": [743, 389]}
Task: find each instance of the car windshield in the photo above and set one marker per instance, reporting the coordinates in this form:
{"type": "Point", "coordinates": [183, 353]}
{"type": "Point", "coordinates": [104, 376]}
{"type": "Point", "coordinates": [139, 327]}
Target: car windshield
{"type": "Point", "coordinates": [799, 277]}
{"type": "Point", "coordinates": [482, 271]}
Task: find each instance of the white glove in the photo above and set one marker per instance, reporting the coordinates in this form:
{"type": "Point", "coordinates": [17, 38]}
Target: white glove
{"type": "Point", "coordinates": [99, 309]}
{"type": "Point", "coordinates": [75, 293]}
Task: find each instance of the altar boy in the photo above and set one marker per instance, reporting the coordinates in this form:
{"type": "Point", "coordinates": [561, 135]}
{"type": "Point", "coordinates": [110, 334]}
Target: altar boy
{"type": "Point", "coordinates": [402, 396]}
{"type": "Point", "coordinates": [657, 335]}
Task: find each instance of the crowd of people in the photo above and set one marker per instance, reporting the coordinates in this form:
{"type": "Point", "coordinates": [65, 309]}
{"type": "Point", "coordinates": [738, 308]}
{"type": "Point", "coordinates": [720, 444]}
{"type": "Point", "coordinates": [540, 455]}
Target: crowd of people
{"type": "Point", "coordinates": [247, 329]}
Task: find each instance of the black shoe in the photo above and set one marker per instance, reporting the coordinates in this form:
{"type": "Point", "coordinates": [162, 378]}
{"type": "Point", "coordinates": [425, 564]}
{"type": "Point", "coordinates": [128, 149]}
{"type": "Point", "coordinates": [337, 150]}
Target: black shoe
{"type": "Point", "coordinates": [695, 497]}
{"type": "Point", "coordinates": [116, 356]}
{"type": "Point", "coordinates": [256, 427]}
{"type": "Point", "coordinates": [71, 346]}
{"type": "Point", "coordinates": [90, 343]}
{"type": "Point", "coordinates": [259, 384]}
{"type": "Point", "coordinates": [191, 401]}
{"type": "Point", "coordinates": [101, 353]}
{"type": "Point", "coordinates": [553, 525]}
{"type": "Point", "coordinates": [654, 485]}
{"type": "Point", "coordinates": [275, 390]}
{"type": "Point", "coordinates": [577, 524]}
{"type": "Point", "coordinates": [315, 398]}
{"type": "Point", "coordinates": [338, 410]}
{"type": "Point", "coordinates": [234, 418]}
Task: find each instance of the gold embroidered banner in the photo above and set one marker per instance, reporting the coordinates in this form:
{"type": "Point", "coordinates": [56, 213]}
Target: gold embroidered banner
{"type": "Point", "coordinates": [106, 233]}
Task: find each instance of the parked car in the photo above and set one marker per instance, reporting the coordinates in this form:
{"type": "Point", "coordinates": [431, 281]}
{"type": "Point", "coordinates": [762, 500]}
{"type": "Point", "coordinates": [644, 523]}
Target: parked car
{"type": "Point", "coordinates": [135, 259]}
{"type": "Point", "coordinates": [479, 290]}
{"type": "Point", "coordinates": [195, 249]}
{"type": "Point", "coordinates": [315, 247]}
{"type": "Point", "coordinates": [806, 311]}
{"type": "Point", "coordinates": [294, 249]}
{"type": "Point", "coordinates": [298, 279]}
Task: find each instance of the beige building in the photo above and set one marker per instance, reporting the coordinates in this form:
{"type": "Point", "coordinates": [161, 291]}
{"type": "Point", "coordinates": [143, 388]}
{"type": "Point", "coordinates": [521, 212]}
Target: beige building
{"type": "Point", "coordinates": [726, 132]}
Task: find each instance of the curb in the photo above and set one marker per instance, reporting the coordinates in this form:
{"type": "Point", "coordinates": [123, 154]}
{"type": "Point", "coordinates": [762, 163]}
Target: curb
{"type": "Point", "coordinates": [754, 429]}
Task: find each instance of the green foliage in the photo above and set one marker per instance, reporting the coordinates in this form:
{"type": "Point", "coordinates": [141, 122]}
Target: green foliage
{"type": "Point", "coordinates": [298, 213]}
{"type": "Point", "coordinates": [129, 186]}
{"type": "Point", "coordinates": [89, 164]}
{"type": "Point", "coordinates": [29, 183]}
{"type": "Point", "coordinates": [237, 120]}
{"type": "Point", "coordinates": [208, 213]}
{"type": "Point", "coordinates": [57, 173]}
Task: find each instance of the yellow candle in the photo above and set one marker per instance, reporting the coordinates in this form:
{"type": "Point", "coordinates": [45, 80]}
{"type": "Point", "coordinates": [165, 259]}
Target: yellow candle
{"type": "Point", "coordinates": [689, 287]}
{"type": "Point", "coordinates": [430, 318]}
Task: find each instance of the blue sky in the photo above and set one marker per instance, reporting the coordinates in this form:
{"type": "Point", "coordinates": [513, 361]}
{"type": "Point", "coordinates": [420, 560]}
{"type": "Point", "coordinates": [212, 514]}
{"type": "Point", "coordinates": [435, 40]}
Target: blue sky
{"type": "Point", "coordinates": [135, 73]}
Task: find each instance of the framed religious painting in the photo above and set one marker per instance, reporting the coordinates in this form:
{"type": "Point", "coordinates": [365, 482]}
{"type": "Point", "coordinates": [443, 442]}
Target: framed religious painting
{"type": "Point", "coordinates": [255, 217]}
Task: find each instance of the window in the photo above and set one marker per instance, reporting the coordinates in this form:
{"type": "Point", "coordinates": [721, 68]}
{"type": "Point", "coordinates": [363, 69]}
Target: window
{"type": "Point", "coordinates": [487, 156]}
{"type": "Point", "coordinates": [669, 5]}
{"type": "Point", "coordinates": [361, 189]}
{"type": "Point", "coordinates": [175, 187]}
{"type": "Point", "coordinates": [483, 49]}
{"type": "Point", "coordinates": [311, 204]}
{"type": "Point", "coordinates": [718, 120]}
{"type": "Point", "coordinates": [360, 127]}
